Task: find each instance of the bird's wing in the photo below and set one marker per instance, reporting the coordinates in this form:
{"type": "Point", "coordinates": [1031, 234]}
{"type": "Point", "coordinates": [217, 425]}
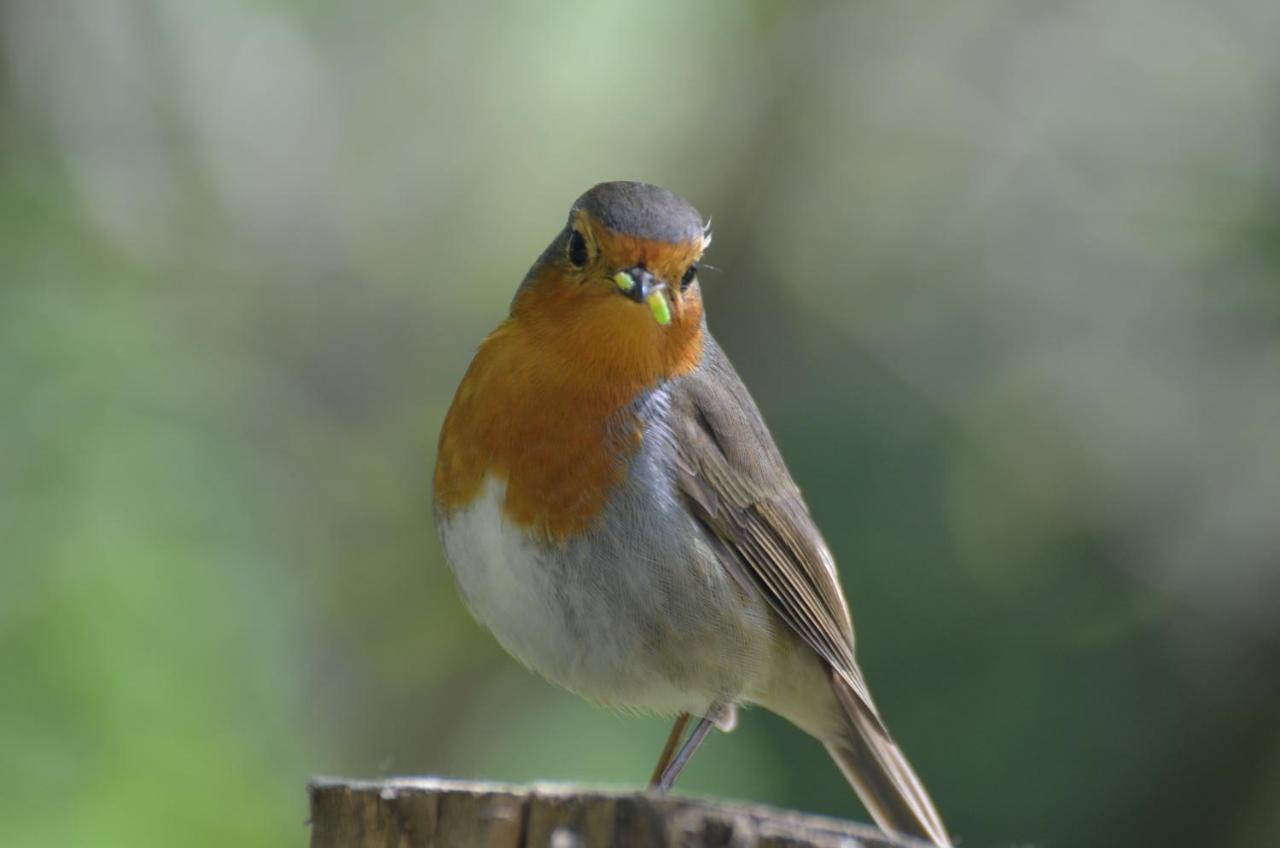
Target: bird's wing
{"type": "Point", "coordinates": [734, 479]}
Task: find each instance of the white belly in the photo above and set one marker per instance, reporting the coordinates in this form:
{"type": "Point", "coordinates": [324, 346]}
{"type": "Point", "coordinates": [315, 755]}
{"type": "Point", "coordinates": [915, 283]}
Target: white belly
{"type": "Point", "coordinates": [508, 591]}
{"type": "Point", "coordinates": [602, 619]}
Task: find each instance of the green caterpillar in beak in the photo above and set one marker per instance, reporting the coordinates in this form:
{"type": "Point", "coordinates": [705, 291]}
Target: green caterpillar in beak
{"type": "Point", "coordinates": [655, 296]}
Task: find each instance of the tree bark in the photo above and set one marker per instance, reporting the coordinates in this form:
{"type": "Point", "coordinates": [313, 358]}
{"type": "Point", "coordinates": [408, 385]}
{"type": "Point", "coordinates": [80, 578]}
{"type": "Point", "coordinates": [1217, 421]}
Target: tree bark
{"type": "Point", "coordinates": [415, 812]}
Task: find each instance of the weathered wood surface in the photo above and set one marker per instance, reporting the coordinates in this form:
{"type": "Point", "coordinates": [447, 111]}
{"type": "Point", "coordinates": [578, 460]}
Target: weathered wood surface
{"type": "Point", "coordinates": [416, 812]}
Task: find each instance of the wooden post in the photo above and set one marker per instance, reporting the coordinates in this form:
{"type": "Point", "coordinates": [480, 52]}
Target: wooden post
{"type": "Point", "coordinates": [419, 812]}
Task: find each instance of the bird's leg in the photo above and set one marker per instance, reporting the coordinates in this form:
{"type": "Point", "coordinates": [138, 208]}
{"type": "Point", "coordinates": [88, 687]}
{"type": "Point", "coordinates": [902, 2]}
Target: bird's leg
{"type": "Point", "coordinates": [673, 769]}
{"type": "Point", "coordinates": [669, 749]}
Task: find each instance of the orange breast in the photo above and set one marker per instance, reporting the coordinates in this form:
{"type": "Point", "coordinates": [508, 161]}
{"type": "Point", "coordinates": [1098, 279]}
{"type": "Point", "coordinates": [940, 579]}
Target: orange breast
{"type": "Point", "coordinates": [552, 425]}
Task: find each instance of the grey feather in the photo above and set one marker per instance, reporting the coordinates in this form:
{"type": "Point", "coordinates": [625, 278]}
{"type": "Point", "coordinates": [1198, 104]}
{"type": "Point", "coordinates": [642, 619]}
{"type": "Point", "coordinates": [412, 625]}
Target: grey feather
{"type": "Point", "coordinates": [640, 209]}
{"type": "Point", "coordinates": [736, 484]}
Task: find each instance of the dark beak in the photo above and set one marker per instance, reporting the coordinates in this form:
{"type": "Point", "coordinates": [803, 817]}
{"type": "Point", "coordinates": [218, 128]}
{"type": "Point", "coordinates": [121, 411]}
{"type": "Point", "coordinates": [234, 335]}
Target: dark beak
{"type": "Point", "coordinates": [637, 283]}
{"type": "Point", "coordinates": [642, 287]}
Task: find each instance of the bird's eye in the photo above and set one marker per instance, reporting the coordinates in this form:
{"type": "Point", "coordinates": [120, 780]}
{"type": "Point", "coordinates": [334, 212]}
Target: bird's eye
{"type": "Point", "coordinates": [689, 276]}
{"type": "Point", "coordinates": [577, 249]}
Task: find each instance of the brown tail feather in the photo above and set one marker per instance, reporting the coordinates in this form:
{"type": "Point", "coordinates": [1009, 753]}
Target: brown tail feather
{"type": "Point", "coordinates": [881, 775]}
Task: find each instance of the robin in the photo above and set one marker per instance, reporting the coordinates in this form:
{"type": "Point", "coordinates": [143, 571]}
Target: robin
{"type": "Point", "coordinates": [616, 512]}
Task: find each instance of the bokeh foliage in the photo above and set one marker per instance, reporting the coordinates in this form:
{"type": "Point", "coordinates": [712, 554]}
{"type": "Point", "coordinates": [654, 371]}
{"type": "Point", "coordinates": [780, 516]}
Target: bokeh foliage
{"type": "Point", "coordinates": [1004, 277]}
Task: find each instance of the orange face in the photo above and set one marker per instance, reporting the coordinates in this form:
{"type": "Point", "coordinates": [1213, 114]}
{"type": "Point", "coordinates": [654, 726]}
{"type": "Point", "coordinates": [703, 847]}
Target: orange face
{"type": "Point", "coordinates": [578, 306]}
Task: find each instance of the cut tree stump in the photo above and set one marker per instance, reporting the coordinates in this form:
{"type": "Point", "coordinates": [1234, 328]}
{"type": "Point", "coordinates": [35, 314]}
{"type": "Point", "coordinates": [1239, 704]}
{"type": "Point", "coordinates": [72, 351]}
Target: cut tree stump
{"type": "Point", "coordinates": [413, 812]}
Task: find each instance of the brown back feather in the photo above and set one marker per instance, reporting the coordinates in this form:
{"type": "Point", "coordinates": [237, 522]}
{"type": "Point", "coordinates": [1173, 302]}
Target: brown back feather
{"type": "Point", "coordinates": [739, 488]}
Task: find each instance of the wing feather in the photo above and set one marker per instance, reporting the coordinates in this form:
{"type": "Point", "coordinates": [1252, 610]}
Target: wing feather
{"type": "Point", "coordinates": [737, 485]}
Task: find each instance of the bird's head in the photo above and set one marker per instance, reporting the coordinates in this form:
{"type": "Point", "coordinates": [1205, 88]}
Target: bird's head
{"type": "Point", "coordinates": [617, 289]}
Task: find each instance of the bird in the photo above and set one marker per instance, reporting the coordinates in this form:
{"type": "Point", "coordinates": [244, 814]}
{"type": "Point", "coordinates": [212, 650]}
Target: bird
{"type": "Point", "coordinates": [615, 511]}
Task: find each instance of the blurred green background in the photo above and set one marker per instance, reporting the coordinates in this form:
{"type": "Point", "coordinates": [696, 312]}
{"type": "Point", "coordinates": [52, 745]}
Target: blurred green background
{"type": "Point", "coordinates": [1004, 278]}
